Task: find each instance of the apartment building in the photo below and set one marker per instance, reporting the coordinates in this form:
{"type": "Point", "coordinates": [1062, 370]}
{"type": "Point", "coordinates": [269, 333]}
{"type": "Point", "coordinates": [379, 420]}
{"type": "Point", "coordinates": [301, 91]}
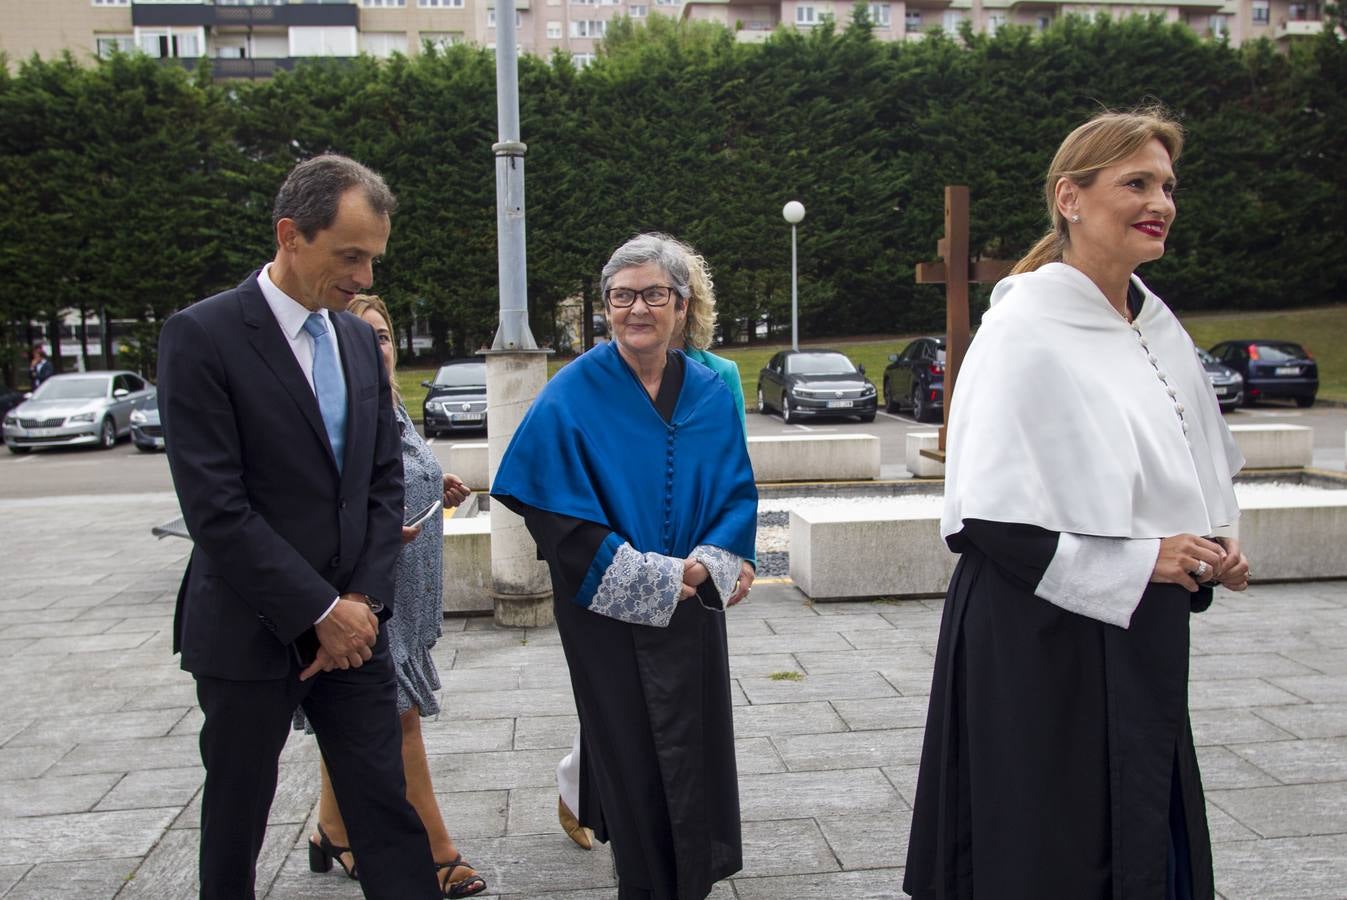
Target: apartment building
{"type": "Point", "coordinates": [896, 20]}
{"type": "Point", "coordinates": [255, 38]}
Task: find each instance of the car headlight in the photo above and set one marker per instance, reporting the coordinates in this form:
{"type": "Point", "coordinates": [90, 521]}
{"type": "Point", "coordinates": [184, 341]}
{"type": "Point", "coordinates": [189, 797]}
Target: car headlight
{"type": "Point", "coordinates": [138, 417]}
{"type": "Point", "coordinates": [11, 420]}
{"type": "Point", "coordinates": [80, 417]}
{"type": "Point", "coordinates": [867, 390]}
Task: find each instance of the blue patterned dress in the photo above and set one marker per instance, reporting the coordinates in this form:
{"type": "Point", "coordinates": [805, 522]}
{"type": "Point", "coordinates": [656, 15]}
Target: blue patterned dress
{"type": "Point", "coordinates": [418, 598]}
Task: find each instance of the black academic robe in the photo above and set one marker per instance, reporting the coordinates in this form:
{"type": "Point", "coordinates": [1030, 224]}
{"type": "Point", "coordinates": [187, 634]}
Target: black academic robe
{"type": "Point", "coordinates": [1058, 759]}
{"type": "Point", "coordinates": [658, 777]}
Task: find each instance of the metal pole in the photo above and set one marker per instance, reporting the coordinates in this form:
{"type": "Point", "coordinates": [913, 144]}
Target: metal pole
{"type": "Point", "coordinates": [516, 369]}
{"type": "Point", "coordinates": [794, 296]}
{"type": "Point", "coordinates": [513, 332]}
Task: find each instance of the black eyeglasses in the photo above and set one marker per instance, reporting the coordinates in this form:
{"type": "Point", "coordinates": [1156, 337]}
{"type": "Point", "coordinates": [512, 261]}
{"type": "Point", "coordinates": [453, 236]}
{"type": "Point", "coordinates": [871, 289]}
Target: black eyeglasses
{"type": "Point", "coordinates": [655, 295]}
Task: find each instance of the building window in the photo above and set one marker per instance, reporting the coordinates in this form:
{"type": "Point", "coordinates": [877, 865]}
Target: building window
{"type": "Point", "coordinates": [879, 14]}
{"type": "Point", "coordinates": [382, 3]}
{"type": "Point", "coordinates": [667, 2]}
{"type": "Point", "coordinates": [1262, 12]}
{"type": "Point", "coordinates": [609, 2]}
{"type": "Point", "coordinates": [491, 17]}
{"type": "Point", "coordinates": [636, 12]}
{"type": "Point", "coordinates": [1043, 22]}
{"type": "Point", "coordinates": [441, 39]}
{"type": "Point", "coordinates": [107, 44]}
{"type": "Point", "coordinates": [582, 59]}
{"type": "Point", "coordinates": [995, 22]}
{"type": "Point", "coordinates": [553, 30]}
{"type": "Point", "coordinates": [443, 4]}
{"type": "Point", "coordinates": [112, 2]}
{"type": "Point", "coordinates": [311, 40]}
{"type": "Point", "coordinates": [584, 2]}
{"type": "Point", "coordinates": [588, 28]}
{"type": "Point", "coordinates": [912, 21]}
{"type": "Point", "coordinates": [383, 43]}
{"type": "Point", "coordinates": [950, 21]}
{"type": "Point", "coordinates": [170, 44]}
{"type": "Point", "coordinates": [805, 15]}
{"type": "Point", "coordinates": [1219, 25]}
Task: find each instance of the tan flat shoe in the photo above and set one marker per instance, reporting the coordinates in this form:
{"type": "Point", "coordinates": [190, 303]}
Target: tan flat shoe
{"type": "Point", "coordinates": [574, 830]}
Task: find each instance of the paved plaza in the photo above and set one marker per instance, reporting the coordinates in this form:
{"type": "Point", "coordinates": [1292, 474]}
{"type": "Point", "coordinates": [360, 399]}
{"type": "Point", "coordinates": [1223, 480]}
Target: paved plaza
{"type": "Point", "coordinates": [100, 778]}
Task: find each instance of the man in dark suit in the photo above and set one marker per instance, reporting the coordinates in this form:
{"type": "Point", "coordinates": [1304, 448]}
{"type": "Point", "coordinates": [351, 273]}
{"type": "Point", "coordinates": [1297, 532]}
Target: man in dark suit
{"type": "Point", "coordinates": [287, 462]}
{"type": "Point", "coordinates": [39, 368]}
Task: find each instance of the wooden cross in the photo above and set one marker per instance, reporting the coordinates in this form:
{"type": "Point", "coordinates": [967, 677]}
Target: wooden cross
{"type": "Point", "coordinates": [956, 271]}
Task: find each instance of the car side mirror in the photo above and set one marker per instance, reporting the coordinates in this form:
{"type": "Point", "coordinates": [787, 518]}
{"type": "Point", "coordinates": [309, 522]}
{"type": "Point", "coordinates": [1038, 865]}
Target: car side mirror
{"type": "Point", "coordinates": [119, 393]}
{"type": "Point", "coordinates": [426, 384]}
{"type": "Point", "coordinates": [861, 368]}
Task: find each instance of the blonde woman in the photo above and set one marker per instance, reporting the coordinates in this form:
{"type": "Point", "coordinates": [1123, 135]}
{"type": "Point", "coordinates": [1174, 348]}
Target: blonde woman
{"type": "Point", "coordinates": [1088, 482]}
{"type": "Point", "coordinates": [412, 632]}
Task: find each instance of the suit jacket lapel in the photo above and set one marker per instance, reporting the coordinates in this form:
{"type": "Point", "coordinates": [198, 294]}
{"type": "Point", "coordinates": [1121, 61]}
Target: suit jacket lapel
{"type": "Point", "coordinates": [346, 342]}
{"type": "Point", "coordinates": [265, 334]}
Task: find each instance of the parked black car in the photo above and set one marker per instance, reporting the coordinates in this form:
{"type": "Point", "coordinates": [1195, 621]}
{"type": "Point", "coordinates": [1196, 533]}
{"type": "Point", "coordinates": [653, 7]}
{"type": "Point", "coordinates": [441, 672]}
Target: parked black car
{"type": "Point", "coordinates": [1272, 369]}
{"type": "Point", "coordinates": [815, 383]}
{"type": "Point", "coordinates": [1228, 384]}
{"type": "Point", "coordinates": [915, 379]}
{"type": "Point", "coordinates": [456, 399]}
{"type": "Point", "coordinates": [147, 432]}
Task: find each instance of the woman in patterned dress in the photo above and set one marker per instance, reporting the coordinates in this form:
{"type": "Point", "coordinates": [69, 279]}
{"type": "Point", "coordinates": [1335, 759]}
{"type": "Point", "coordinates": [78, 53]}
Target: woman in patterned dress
{"type": "Point", "coordinates": [412, 632]}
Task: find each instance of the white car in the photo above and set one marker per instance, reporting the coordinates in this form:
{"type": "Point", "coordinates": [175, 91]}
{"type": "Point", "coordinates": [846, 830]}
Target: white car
{"type": "Point", "coordinates": [77, 408]}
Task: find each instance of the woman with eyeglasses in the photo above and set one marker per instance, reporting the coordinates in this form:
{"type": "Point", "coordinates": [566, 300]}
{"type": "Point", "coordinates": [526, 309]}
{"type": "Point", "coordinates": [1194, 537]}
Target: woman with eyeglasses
{"type": "Point", "coordinates": [632, 474]}
{"type": "Point", "coordinates": [412, 632]}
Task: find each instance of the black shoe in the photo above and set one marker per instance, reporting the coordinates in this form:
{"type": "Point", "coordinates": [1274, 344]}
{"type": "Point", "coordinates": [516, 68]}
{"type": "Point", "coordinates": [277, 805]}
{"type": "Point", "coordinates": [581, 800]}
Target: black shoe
{"type": "Point", "coordinates": [323, 852]}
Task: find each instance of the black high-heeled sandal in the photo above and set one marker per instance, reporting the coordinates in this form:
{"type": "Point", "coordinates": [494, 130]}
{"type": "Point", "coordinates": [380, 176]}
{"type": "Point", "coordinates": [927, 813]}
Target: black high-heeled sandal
{"type": "Point", "coordinates": [464, 887]}
{"type": "Point", "coordinates": [322, 854]}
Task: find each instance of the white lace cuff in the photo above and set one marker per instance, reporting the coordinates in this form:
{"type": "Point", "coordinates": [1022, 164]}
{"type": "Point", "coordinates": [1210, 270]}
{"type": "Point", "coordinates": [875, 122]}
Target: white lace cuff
{"type": "Point", "coordinates": [639, 588]}
{"type": "Point", "coordinates": [1099, 577]}
{"type": "Point", "coordinates": [724, 567]}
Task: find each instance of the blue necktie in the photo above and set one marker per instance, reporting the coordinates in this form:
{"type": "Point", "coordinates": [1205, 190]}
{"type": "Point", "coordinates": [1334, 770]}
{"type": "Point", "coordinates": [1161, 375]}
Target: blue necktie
{"type": "Point", "coordinates": [328, 383]}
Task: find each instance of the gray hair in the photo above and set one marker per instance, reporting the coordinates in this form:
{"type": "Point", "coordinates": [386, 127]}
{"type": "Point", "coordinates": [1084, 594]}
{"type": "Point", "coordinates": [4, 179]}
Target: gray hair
{"type": "Point", "coordinates": [314, 188]}
{"type": "Point", "coordinates": [669, 253]}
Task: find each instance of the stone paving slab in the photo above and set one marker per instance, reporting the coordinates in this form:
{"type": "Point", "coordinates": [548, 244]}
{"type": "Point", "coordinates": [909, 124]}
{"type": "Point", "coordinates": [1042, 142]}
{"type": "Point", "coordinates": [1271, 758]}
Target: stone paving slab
{"type": "Point", "coordinates": [100, 779]}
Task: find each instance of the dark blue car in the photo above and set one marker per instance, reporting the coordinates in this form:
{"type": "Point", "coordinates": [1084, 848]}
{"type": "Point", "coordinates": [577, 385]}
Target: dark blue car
{"type": "Point", "coordinates": [1272, 369]}
{"type": "Point", "coordinates": [915, 379]}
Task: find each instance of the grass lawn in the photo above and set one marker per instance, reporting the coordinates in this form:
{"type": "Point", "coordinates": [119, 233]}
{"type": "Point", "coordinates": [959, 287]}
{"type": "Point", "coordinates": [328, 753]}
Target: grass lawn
{"type": "Point", "coordinates": [1323, 330]}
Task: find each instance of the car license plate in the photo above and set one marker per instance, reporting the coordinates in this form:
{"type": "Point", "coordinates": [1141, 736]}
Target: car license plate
{"type": "Point", "coordinates": [40, 432]}
{"type": "Point", "coordinates": [1221, 391]}
{"type": "Point", "coordinates": [466, 417]}
{"type": "Point", "coordinates": [1288, 370]}
{"type": "Point", "coordinates": [839, 404]}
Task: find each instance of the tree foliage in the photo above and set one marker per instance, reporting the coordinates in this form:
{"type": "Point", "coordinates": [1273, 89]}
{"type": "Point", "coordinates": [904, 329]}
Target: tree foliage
{"type": "Point", "coordinates": [134, 187]}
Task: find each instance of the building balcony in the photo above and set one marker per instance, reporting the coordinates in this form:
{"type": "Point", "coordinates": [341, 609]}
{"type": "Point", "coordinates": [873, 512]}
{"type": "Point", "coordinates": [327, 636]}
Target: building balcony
{"type": "Point", "coordinates": [151, 15]}
{"type": "Point", "coordinates": [1298, 28]}
{"type": "Point", "coordinates": [227, 68]}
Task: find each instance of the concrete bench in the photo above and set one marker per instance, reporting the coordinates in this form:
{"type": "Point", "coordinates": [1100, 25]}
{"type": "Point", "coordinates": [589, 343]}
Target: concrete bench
{"type": "Point", "coordinates": [467, 565]}
{"type": "Point", "coordinates": [1275, 446]}
{"type": "Point", "coordinates": [814, 457]}
{"type": "Point", "coordinates": [469, 462]}
{"type": "Point", "coordinates": [870, 552]}
{"type": "Point", "coordinates": [923, 466]}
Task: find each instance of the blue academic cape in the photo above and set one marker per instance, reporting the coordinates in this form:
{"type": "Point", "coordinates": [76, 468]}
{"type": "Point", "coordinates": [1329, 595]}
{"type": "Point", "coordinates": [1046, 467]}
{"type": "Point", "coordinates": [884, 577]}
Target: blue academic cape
{"type": "Point", "coordinates": [593, 447]}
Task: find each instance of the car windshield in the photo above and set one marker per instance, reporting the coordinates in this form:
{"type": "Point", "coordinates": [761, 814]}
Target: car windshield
{"type": "Point", "coordinates": [1279, 352]}
{"type": "Point", "coordinates": [1206, 357]}
{"type": "Point", "coordinates": [819, 364]}
{"type": "Point", "coordinates": [465, 375]}
{"type": "Point", "coordinates": [72, 389]}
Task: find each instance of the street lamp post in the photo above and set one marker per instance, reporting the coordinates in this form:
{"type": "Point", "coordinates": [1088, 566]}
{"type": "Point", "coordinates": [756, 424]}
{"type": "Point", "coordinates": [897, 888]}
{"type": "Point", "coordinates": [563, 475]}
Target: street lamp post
{"type": "Point", "coordinates": [793, 212]}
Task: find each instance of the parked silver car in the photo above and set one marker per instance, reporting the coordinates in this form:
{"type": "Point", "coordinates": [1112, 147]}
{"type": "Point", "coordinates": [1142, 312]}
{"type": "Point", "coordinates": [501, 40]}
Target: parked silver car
{"type": "Point", "coordinates": [146, 431]}
{"type": "Point", "coordinates": [77, 408]}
